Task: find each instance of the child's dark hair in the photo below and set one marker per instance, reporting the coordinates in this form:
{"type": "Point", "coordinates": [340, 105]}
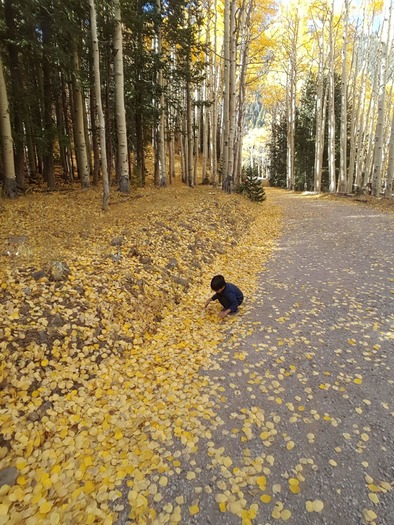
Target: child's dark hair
{"type": "Point", "coordinates": [217, 282]}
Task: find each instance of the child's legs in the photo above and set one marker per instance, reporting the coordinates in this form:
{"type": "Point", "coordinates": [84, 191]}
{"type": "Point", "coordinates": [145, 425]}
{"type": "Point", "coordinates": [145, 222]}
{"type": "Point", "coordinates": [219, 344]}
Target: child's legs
{"type": "Point", "coordinates": [224, 303]}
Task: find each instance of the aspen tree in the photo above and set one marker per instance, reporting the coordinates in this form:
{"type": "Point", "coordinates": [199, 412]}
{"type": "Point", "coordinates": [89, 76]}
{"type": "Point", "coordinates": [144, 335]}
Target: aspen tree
{"type": "Point", "coordinates": [390, 169]}
{"type": "Point", "coordinates": [357, 144]}
{"type": "Point", "coordinates": [291, 91]}
{"type": "Point", "coordinates": [226, 182]}
{"type": "Point", "coordinates": [369, 122]}
{"type": "Point", "coordinates": [331, 105]}
{"type": "Point", "coordinates": [79, 124]}
{"type": "Point", "coordinates": [100, 113]}
{"type": "Point", "coordinates": [320, 100]}
{"type": "Point", "coordinates": [123, 161]}
{"type": "Point", "coordinates": [344, 93]}
{"type": "Point", "coordinates": [232, 94]}
{"type": "Point", "coordinates": [19, 109]}
{"type": "Point", "coordinates": [160, 169]}
{"type": "Point", "coordinates": [9, 186]}
{"type": "Point", "coordinates": [213, 113]}
{"type": "Point", "coordinates": [244, 37]}
{"type": "Point", "coordinates": [197, 120]}
{"type": "Point", "coordinates": [206, 93]}
{"type": "Point", "coordinates": [47, 99]}
{"type": "Point", "coordinates": [379, 132]}
{"type": "Point", "coordinates": [354, 118]}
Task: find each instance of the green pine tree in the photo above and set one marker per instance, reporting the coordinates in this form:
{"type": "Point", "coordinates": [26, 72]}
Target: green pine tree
{"type": "Point", "coordinates": [251, 185]}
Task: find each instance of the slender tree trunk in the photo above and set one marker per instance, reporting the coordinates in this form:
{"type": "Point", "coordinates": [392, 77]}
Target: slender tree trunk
{"type": "Point", "coordinates": [61, 130]}
{"type": "Point", "coordinates": [189, 135]}
{"type": "Point", "coordinates": [100, 113]}
{"type": "Point", "coordinates": [48, 165]}
{"type": "Point", "coordinates": [331, 108]}
{"type": "Point", "coordinates": [123, 160]}
{"type": "Point", "coordinates": [189, 117]}
{"type": "Point", "coordinates": [245, 22]}
{"type": "Point", "coordinates": [205, 132]}
{"type": "Point", "coordinates": [357, 131]}
{"type": "Point", "coordinates": [16, 82]}
{"type": "Point", "coordinates": [232, 94]}
{"type": "Point", "coordinates": [214, 105]}
{"type": "Point", "coordinates": [390, 170]}
{"type": "Point", "coordinates": [364, 147]}
{"type": "Point", "coordinates": [67, 109]}
{"type": "Point", "coordinates": [319, 142]}
{"type": "Point", "coordinates": [197, 119]}
{"type": "Point", "coordinates": [291, 113]}
{"type": "Point", "coordinates": [226, 182]}
{"type": "Point", "coordinates": [351, 180]}
{"type": "Point", "coordinates": [80, 135]}
{"type": "Point", "coordinates": [344, 89]}
{"type": "Point", "coordinates": [9, 185]}
{"type": "Point", "coordinates": [31, 153]}
{"type": "Point", "coordinates": [379, 133]}
{"type": "Point", "coordinates": [184, 151]}
{"type": "Point", "coordinates": [161, 141]}
{"type": "Point", "coordinates": [95, 138]}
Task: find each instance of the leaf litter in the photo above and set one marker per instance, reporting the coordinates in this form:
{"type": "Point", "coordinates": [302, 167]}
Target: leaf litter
{"type": "Point", "coordinates": [100, 365]}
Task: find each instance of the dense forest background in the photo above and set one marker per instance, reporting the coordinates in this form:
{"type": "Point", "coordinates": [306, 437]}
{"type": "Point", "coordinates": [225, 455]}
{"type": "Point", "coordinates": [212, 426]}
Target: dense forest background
{"type": "Point", "coordinates": [99, 92]}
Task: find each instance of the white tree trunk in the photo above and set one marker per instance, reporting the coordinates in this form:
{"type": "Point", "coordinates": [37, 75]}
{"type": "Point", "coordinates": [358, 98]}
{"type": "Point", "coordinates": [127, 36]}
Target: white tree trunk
{"type": "Point", "coordinates": [357, 151]}
{"type": "Point", "coordinates": [379, 133]}
{"type": "Point", "coordinates": [331, 108]}
{"type": "Point", "coordinates": [123, 160]}
{"type": "Point", "coordinates": [232, 93]}
{"type": "Point", "coordinates": [189, 135]}
{"type": "Point", "coordinates": [215, 84]}
{"type": "Point", "coordinates": [291, 114]}
{"type": "Point", "coordinates": [226, 98]}
{"type": "Point", "coordinates": [197, 125]}
{"type": "Point", "coordinates": [161, 135]}
{"type": "Point", "coordinates": [344, 90]}
{"type": "Point", "coordinates": [205, 129]}
{"type": "Point", "coordinates": [319, 141]}
{"type": "Point", "coordinates": [100, 113]}
{"type": "Point", "coordinates": [9, 187]}
{"type": "Point", "coordinates": [390, 170]}
{"type": "Point", "coordinates": [244, 39]}
{"type": "Point", "coordinates": [80, 135]}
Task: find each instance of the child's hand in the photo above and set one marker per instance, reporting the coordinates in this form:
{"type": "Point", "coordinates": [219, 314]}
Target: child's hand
{"type": "Point", "coordinates": [223, 313]}
{"type": "Point", "coordinates": [207, 303]}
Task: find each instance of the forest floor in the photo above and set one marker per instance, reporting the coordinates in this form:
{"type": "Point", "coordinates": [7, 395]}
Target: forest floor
{"type": "Point", "coordinates": [103, 333]}
{"type": "Point", "coordinates": [115, 382]}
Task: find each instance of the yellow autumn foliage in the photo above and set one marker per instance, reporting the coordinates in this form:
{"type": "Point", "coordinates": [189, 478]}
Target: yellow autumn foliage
{"type": "Point", "coordinates": [100, 369]}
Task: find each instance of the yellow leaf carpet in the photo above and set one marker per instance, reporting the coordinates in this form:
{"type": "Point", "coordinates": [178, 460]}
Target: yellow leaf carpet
{"type": "Point", "coordinates": [99, 369]}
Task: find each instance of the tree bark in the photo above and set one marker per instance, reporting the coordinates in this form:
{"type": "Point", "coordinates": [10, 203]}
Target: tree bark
{"type": "Point", "coordinates": [18, 99]}
{"type": "Point", "coordinates": [379, 132]}
{"type": "Point", "coordinates": [390, 169]}
{"type": "Point", "coordinates": [48, 165]}
{"type": "Point", "coordinates": [331, 107]}
{"type": "Point", "coordinates": [161, 141]}
{"type": "Point", "coordinates": [100, 113]}
{"type": "Point", "coordinates": [344, 90]}
{"type": "Point", "coordinates": [80, 134]}
{"type": "Point", "coordinates": [9, 185]}
{"type": "Point", "coordinates": [123, 161]}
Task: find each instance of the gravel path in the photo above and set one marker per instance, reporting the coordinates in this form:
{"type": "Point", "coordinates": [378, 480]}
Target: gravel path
{"type": "Point", "coordinates": [319, 364]}
{"type": "Point", "coordinates": [304, 423]}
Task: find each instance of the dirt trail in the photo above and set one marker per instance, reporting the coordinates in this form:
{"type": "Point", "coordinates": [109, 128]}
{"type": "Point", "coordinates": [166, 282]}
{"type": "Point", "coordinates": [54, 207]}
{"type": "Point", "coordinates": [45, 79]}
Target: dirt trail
{"type": "Point", "coordinates": [304, 427]}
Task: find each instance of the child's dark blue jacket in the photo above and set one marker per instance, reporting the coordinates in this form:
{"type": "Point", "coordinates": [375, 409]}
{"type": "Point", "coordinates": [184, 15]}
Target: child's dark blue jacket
{"type": "Point", "coordinates": [230, 298]}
